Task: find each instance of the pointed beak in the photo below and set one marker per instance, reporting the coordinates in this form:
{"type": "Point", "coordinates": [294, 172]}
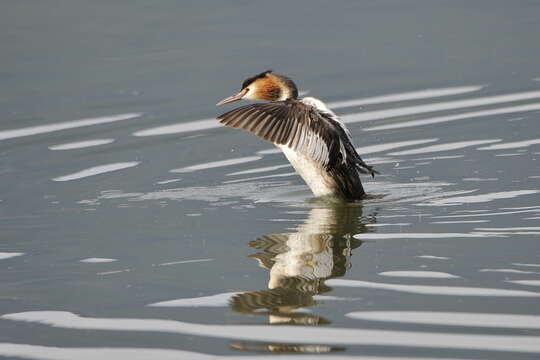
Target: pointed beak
{"type": "Point", "coordinates": [232, 98]}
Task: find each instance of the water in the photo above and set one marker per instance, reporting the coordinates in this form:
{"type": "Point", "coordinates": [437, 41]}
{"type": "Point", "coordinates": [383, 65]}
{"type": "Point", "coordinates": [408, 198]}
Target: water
{"type": "Point", "coordinates": [134, 226]}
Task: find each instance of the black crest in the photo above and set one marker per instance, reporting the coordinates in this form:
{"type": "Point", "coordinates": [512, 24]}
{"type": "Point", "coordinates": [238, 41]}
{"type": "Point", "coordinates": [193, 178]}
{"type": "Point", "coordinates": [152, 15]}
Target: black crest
{"type": "Point", "coordinates": [248, 81]}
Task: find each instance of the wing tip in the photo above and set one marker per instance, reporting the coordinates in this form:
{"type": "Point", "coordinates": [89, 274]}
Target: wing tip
{"type": "Point", "coordinates": [367, 170]}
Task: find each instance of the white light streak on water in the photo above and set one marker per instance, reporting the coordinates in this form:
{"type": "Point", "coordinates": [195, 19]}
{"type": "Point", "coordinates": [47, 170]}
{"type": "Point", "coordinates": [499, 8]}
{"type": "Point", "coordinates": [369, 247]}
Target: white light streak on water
{"type": "Point", "coordinates": [479, 198]}
{"type": "Point", "coordinates": [507, 155]}
{"type": "Point", "coordinates": [520, 207]}
{"type": "Point", "coordinates": [497, 233]}
{"type": "Point", "coordinates": [188, 126]}
{"type": "Point", "coordinates": [7, 255]}
{"type": "Point", "coordinates": [372, 236]}
{"type": "Point", "coordinates": [97, 260]}
{"type": "Point", "coordinates": [116, 194]}
{"type": "Point", "coordinates": [440, 157]}
{"type": "Point", "coordinates": [405, 96]}
{"type": "Point", "coordinates": [485, 214]}
{"type": "Point", "coordinates": [459, 222]}
{"type": "Point", "coordinates": [507, 321]}
{"type": "Point", "coordinates": [392, 145]}
{"type": "Point", "coordinates": [331, 298]}
{"type": "Point", "coordinates": [480, 179]}
{"type": "Point", "coordinates": [433, 289]}
{"type": "Point", "coordinates": [38, 352]}
{"type": "Point", "coordinates": [96, 170]}
{"type": "Point", "coordinates": [420, 274]}
{"type": "Point", "coordinates": [526, 282]}
{"type": "Point", "coordinates": [469, 115]}
{"type": "Point", "coordinates": [81, 144]}
{"type": "Point", "coordinates": [444, 147]}
{"type": "Point", "coordinates": [258, 170]}
{"type": "Point", "coordinates": [42, 129]}
{"type": "Point", "coordinates": [163, 182]}
{"type": "Point", "coordinates": [218, 300]}
{"type": "Point", "coordinates": [448, 105]}
{"type": "Point", "coordinates": [287, 333]}
{"type": "Point", "coordinates": [510, 228]}
{"type": "Point", "coordinates": [113, 272]}
{"type": "Point", "coordinates": [215, 164]}
{"type": "Point", "coordinates": [184, 262]}
{"type": "Point", "coordinates": [511, 145]}
{"type": "Point", "coordinates": [526, 265]}
{"type": "Point", "coordinates": [507, 271]}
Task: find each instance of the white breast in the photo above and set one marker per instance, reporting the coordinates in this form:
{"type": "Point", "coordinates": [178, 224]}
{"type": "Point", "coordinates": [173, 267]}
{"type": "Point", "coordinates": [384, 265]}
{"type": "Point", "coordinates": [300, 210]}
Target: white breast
{"type": "Point", "coordinates": [316, 177]}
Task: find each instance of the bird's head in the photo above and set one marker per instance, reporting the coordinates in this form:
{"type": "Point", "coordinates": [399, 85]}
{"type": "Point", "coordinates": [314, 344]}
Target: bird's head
{"type": "Point", "coordinates": [265, 86]}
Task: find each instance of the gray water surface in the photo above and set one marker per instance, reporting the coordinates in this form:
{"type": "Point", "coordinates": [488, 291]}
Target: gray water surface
{"type": "Point", "coordinates": [134, 226]}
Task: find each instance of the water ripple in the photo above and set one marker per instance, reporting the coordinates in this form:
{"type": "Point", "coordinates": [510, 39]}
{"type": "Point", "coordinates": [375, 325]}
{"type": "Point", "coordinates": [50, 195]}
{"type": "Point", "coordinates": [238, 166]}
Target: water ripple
{"type": "Point", "coordinates": [97, 260]}
{"type": "Point", "coordinates": [39, 352]}
{"type": "Point", "coordinates": [509, 321]}
{"type": "Point", "coordinates": [287, 333]}
{"type": "Point", "coordinates": [405, 96]}
{"type": "Point", "coordinates": [42, 129]}
{"type": "Point", "coordinates": [179, 128]}
{"type": "Point", "coordinates": [215, 164]}
{"type": "Point", "coordinates": [445, 147]}
{"type": "Point", "coordinates": [96, 170]}
{"type": "Point", "coordinates": [81, 144]}
{"type": "Point", "coordinates": [511, 145]}
{"type": "Point", "coordinates": [420, 274]}
{"type": "Point", "coordinates": [448, 105]}
{"type": "Point", "coordinates": [8, 255]}
{"type": "Point", "coordinates": [392, 145]}
{"type": "Point", "coordinates": [434, 289]}
{"type": "Point", "coordinates": [469, 115]}
{"type": "Point", "coordinates": [458, 200]}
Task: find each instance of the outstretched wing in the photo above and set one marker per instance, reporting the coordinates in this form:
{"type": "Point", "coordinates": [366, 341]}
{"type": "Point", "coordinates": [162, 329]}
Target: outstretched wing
{"type": "Point", "coordinates": [294, 124]}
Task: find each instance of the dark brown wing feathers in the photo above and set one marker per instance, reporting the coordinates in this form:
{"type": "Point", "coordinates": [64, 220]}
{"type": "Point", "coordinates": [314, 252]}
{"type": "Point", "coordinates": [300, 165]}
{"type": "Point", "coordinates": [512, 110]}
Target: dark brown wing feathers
{"type": "Point", "coordinates": [300, 127]}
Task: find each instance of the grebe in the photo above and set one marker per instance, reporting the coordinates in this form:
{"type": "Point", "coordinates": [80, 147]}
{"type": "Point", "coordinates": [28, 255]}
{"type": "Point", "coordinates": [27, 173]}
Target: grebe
{"type": "Point", "coordinates": [314, 140]}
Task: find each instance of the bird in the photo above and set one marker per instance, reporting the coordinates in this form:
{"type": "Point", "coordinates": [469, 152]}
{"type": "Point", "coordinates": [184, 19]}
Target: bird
{"type": "Point", "coordinates": [312, 137]}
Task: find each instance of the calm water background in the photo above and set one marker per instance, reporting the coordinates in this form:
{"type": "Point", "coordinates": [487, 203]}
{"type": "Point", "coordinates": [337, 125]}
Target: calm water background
{"type": "Point", "coordinates": [458, 194]}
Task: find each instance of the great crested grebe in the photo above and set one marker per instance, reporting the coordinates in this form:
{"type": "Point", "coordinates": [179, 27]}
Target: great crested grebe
{"type": "Point", "coordinates": [314, 140]}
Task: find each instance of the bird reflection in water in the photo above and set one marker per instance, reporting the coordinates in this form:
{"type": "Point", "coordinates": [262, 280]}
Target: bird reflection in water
{"type": "Point", "coordinates": [298, 264]}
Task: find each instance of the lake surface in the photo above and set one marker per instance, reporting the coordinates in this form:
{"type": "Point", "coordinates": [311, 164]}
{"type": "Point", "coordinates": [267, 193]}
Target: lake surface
{"type": "Point", "coordinates": [134, 226]}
